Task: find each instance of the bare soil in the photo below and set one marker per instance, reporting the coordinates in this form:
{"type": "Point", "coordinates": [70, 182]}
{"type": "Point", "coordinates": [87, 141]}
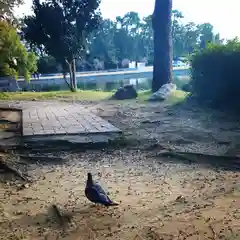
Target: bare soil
{"type": "Point", "coordinates": [160, 197]}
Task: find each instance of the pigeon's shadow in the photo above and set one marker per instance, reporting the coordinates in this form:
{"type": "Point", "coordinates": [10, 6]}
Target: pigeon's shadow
{"type": "Point", "coordinates": [91, 217]}
{"type": "Point", "coordinates": [97, 216]}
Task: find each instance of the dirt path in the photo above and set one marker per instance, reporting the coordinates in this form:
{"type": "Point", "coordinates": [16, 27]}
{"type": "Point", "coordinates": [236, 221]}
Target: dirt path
{"type": "Point", "coordinates": [159, 198]}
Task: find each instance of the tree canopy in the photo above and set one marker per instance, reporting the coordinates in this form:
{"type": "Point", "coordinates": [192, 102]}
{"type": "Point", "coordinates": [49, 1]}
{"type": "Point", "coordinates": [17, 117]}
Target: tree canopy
{"type": "Point", "coordinates": [15, 60]}
{"type": "Point", "coordinates": [127, 37]}
{"type": "Point", "coordinates": [131, 37]}
{"type": "Point", "coordinates": [61, 29]}
{"type": "Point", "coordinates": [7, 6]}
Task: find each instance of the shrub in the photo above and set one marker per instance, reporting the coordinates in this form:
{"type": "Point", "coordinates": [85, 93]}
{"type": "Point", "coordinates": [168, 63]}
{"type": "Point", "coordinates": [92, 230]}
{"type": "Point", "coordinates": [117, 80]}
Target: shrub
{"type": "Point", "coordinates": [216, 75]}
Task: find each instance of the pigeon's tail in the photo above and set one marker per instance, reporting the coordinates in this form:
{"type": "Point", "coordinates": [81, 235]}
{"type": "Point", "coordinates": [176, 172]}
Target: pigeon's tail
{"type": "Point", "coordinates": [111, 204]}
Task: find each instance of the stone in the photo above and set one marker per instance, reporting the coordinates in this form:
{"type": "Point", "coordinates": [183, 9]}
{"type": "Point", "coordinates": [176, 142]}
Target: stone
{"type": "Point", "coordinates": [164, 92]}
{"type": "Point", "coordinates": [125, 92]}
{"type": "Point", "coordinates": [187, 87]}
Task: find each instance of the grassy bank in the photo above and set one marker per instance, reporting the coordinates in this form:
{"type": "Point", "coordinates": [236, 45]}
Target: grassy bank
{"type": "Point", "coordinates": [80, 95]}
{"type": "Point", "coordinates": [84, 95]}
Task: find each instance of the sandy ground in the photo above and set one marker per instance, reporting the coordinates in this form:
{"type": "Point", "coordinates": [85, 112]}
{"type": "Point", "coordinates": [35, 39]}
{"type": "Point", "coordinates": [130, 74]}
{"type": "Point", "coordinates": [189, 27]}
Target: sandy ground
{"type": "Point", "coordinates": [160, 198]}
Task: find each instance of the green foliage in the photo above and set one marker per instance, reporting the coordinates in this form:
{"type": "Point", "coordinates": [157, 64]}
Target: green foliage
{"type": "Point", "coordinates": [14, 59]}
{"type": "Point", "coordinates": [7, 7]}
{"type": "Point", "coordinates": [47, 64]}
{"type": "Point", "coordinates": [62, 27]}
{"type": "Point", "coordinates": [130, 37]}
{"type": "Point", "coordinates": [215, 74]}
{"type": "Point", "coordinates": [127, 37]}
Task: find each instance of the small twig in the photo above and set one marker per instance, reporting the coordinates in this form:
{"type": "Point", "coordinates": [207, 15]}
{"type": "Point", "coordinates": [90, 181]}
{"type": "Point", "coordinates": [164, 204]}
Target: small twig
{"type": "Point", "coordinates": [60, 217]}
{"type": "Point", "coordinates": [175, 155]}
{"type": "Point", "coordinates": [58, 214]}
{"type": "Point", "coordinates": [208, 155]}
{"type": "Point", "coordinates": [90, 231]}
{"type": "Point", "coordinates": [137, 237]}
{"type": "Point", "coordinates": [165, 176]}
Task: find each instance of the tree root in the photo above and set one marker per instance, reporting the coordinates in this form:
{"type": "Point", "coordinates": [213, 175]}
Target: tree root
{"type": "Point", "coordinates": [7, 167]}
{"type": "Point", "coordinates": [192, 157]}
{"type": "Point", "coordinates": [173, 154]}
{"type": "Point", "coordinates": [8, 163]}
{"type": "Point", "coordinates": [42, 158]}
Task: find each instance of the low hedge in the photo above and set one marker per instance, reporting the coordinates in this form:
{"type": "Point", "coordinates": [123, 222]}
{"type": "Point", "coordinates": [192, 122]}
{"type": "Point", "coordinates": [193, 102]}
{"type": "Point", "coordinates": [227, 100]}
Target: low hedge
{"type": "Point", "coordinates": [216, 75]}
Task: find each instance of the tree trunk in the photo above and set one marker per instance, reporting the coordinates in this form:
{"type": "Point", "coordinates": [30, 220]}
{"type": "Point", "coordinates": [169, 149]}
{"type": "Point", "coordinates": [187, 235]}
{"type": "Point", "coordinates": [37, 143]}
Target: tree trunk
{"type": "Point", "coordinates": [136, 64]}
{"type": "Point", "coordinates": [162, 28]}
{"type": "Point", "coordinates": [65, 79]}
{"type": "Point", "coordinates": [72, 75]}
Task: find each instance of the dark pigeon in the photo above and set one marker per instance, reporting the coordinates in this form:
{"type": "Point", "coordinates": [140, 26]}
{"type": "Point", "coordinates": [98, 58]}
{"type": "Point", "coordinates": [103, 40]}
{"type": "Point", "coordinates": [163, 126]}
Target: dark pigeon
{"type": "Point", "coordinates": [95, 193]}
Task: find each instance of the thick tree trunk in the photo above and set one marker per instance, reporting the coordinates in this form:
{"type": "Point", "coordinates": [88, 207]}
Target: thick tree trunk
{"type": "Point", "coordinates": [162, 28]}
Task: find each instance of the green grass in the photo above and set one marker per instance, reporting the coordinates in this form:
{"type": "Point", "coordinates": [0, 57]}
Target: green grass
{"type": "Point", "coordinates": [80, 95]}
{"type": "Point", "coordinates": [83, 95]}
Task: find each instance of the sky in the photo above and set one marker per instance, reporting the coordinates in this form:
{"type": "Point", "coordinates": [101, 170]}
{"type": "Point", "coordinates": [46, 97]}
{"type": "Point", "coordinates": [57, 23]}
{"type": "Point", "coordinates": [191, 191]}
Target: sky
{"type": "Point", "coordinates": [223, 15]}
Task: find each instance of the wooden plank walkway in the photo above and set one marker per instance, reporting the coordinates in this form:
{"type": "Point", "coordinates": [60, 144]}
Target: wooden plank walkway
{"type": "Point", "coordinates": [63, 120]}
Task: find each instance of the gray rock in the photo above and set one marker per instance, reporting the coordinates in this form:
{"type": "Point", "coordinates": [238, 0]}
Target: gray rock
{"type": "Point", "coordinates": [164, 92]}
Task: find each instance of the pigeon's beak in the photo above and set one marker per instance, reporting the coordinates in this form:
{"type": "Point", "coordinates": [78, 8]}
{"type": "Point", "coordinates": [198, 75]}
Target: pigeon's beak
{"type": "Point", "coordinates": [89, 179]}
{"type": "Point", "coordinates": [89, 176]}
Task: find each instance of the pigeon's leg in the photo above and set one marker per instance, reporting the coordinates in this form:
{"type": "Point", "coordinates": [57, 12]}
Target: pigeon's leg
{"type": "Point", "coordinates": [98, 206]}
